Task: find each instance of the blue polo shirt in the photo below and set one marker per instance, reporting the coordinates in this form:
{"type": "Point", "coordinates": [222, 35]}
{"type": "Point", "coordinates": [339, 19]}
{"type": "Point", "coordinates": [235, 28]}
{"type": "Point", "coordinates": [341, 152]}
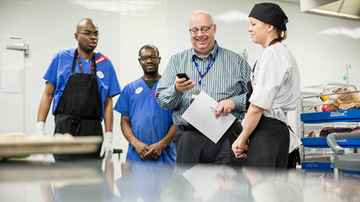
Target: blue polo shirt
{"type": "Point", "coordinates": [60, 69]}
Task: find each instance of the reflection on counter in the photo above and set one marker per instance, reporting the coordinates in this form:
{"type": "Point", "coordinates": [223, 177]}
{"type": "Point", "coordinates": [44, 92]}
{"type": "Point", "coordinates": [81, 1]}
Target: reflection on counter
{"type": "Point", "coordinates": [84, 181]}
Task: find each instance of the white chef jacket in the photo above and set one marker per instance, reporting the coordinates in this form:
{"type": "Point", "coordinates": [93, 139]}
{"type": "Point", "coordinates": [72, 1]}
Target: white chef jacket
{"type": "Point", "coordinates": [276, 82]}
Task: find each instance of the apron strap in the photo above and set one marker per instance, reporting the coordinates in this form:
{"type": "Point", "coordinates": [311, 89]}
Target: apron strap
{"type": "Point", "coordinates": [74, 61]}
{"type": "Point", "coordinates": [93, 66]}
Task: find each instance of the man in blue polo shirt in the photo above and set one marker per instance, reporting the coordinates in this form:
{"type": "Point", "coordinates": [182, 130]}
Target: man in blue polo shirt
{"type": "Point", "coordinates": [81, 84]}
{"type": "Point", "coordinates": [148, 128]}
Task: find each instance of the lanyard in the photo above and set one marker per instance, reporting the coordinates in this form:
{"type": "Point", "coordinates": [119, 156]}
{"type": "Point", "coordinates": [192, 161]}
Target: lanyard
{"type": "Point", "coordinates": [93, 64]}
{"type": "Point", "coordinates": [208, 67]}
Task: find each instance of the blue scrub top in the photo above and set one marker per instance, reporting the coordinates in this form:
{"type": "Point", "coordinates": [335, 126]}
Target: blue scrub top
{"type": "Point", "coordinates": [149, 122]}
{"type": "Point", "coordinates": [60, 69]}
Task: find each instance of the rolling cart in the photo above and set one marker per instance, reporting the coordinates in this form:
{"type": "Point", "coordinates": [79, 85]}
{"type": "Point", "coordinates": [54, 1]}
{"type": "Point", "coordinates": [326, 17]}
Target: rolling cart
{"type": "Point", "coordinates": [316, 153]}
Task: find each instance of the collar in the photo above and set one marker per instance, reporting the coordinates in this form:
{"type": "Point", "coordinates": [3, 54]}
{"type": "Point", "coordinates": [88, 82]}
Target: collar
{"type": "Point", "coordinates": [72, 52]}
{"type": "Point", "coordinates": [274, 41]}
{"type": "Point", "coordinates": [211, 54]}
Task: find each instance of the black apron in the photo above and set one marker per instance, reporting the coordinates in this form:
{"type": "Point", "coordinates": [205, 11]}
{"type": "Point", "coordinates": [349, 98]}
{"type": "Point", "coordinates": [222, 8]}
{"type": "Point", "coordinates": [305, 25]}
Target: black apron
{"type": "Point", "coordinates": [79, 109]}
{"type": "Point", "coordinates": [269, 142]}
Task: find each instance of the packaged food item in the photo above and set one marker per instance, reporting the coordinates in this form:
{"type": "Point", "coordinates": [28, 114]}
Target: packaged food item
{"type": "Point", "coordinates": [339, 90]}
{"type": "Point", "coordinates": [346, 98]}
{"type": "Point", "coordinates": [349, 101]}
{"type": "Point", "coordinates": [330, 105]}
{"type": "Point", "coordinates": [356, 130]}
{"type": "Point", "coordinates": [324, 98]}
{"type": "Point", "coordinates": [327, 130]}
{"type": "Point", "coordinates": [340, 98]}
{"type": "Point", "coordinates": [311, 134]}
{"type": "Point", "coordinates": [315, 108]}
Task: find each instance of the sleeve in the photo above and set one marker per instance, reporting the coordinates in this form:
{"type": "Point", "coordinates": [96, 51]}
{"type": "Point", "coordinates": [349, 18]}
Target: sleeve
{"type": "Point", "coordinates": [269, 76]}
{"type": "Point", "coordinates": [123, 103]}
{"type": "Point", "coordinates": [166, 95]}
{"type": "Point", "coordinates": [245, 72]}
{"type": "Point", "coordinates": [51, 73]}
{"type": "Point", "coordinates": [114, 86]}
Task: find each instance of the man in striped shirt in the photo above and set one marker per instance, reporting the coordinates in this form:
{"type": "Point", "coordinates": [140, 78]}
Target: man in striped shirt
{"type": "Point", "coordinates": [219, 72]}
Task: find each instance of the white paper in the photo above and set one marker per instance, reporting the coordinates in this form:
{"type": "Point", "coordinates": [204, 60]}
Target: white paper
{"type": "Point", "coordinates": [203, 179]}
{"type": "Point", "coordinates": [10, 80]}
{"type": "Point", "coordinates": [207, 180]}
{"type": "Point", "coordinates": [200, 115]}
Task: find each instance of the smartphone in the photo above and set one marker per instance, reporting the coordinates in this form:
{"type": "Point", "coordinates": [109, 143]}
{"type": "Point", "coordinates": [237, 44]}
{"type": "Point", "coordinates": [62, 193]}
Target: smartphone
{"type": "Point", "coordinates": [182, 75]}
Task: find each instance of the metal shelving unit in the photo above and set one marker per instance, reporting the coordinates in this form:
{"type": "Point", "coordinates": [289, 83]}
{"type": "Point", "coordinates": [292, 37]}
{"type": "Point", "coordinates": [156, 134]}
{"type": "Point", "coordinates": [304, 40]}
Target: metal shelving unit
{"type": "Point", "coordinates": [316, 154]}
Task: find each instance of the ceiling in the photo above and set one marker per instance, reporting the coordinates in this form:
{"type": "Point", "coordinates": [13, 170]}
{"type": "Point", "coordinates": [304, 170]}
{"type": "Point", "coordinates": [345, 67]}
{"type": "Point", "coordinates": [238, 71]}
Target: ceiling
{"type": "Point", "coordinates": [291, 1]}
{"type": "Point", "coordinates": [348, 9]}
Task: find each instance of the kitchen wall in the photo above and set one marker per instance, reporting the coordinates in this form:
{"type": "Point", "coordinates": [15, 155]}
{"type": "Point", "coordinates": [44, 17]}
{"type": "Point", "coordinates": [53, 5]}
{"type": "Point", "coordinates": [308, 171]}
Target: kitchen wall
{"type": "Point", "coordinates": [323, 46]}
{"type": "Point", "coordinates": [48, 27]}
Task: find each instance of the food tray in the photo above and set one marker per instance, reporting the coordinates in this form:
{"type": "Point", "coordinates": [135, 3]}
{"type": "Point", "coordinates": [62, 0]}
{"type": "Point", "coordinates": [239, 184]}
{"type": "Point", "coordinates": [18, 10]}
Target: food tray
{"type": "Point", "coordinates": [77, 145]}
{"type": "Point", "coordinates": [320, 166]}
{"type": "Point", "coordinates": [36, 171]}
{"type": "Point", "coordinates": [333, 116]}
{"type": "Point", "coordinates": [323, 167]}
{"type": "Point", "coordinates": [320, 142]}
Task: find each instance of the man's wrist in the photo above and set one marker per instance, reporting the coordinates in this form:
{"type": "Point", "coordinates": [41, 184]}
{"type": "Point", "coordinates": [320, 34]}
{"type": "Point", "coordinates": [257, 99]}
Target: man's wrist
{"type": "Point", "coordinates": [39, 128]}
{"type": "Point", "coordinates": [109, 135]}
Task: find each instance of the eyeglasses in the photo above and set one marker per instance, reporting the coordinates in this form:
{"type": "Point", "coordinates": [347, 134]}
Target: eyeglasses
{"type": "Point", "coordinates": [87, 33]}
{"type": "Point", "coordinates": [204, 30]}
{"type": "Point", "coordinates": [144, 58]}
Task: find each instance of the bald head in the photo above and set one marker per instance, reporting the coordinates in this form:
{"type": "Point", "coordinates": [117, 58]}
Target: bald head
{"type": "Point", "coordinates": [82, 23]}
{"type": "Point", "coordinates": [202, 34]}
{"type": "Point", "coordinates": [201, 15]}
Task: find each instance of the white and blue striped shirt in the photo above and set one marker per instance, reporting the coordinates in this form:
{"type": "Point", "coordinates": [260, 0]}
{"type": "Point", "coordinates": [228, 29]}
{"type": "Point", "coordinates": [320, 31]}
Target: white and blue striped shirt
{"type": "Point", "coordinates": [226, 79]}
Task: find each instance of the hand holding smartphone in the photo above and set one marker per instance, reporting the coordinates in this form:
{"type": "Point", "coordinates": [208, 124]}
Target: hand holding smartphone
{"type": "Point", "coordinates": [183, 75]}
{"type": "Point", "coordinates": [183, 85]}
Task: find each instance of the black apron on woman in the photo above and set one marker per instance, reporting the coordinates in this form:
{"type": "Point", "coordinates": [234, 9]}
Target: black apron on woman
{"type": "Point", "coordinates": [79, 109]}
{"type": "Point", "coordinates": [269, 142]}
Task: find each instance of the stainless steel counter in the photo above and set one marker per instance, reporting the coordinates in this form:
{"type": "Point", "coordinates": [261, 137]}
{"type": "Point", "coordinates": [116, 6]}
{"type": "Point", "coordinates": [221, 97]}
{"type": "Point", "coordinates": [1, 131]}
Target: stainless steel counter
{"type": "Point", "coordinates": [37, 181]}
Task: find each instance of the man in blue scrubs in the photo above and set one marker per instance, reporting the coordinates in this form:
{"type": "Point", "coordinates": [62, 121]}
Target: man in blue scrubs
{"type": "Point", "coordinates": [81, 84]}
{"type": "Point", "coordinates": [148, 128]}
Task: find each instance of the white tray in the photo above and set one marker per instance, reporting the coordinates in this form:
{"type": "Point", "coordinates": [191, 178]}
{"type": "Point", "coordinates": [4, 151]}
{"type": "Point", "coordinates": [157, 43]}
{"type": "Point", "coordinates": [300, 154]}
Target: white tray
{"type": "Point", "coordinates": [78, 145]}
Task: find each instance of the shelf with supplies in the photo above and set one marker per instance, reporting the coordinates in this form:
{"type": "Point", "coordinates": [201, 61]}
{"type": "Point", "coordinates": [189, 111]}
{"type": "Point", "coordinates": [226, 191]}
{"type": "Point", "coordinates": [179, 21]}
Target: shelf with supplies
{"type": "Point", "coordinates": [331, 116]}
{"type": "Point", "coordinates": [325, 109]}
{"type": "Point", "coordinates": [320, 142]}
{"type": "Point", "coordinates": [323, 167]}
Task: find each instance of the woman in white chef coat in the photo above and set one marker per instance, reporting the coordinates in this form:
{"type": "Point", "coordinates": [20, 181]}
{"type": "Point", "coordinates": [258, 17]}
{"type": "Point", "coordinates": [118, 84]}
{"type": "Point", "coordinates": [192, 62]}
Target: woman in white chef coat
{"type": "Point", "coordinates": [275, 90]}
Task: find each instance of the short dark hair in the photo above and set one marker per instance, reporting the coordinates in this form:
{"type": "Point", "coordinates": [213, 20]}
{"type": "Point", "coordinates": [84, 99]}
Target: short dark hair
{"type": "Point", "coordinates": [151, 47]}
